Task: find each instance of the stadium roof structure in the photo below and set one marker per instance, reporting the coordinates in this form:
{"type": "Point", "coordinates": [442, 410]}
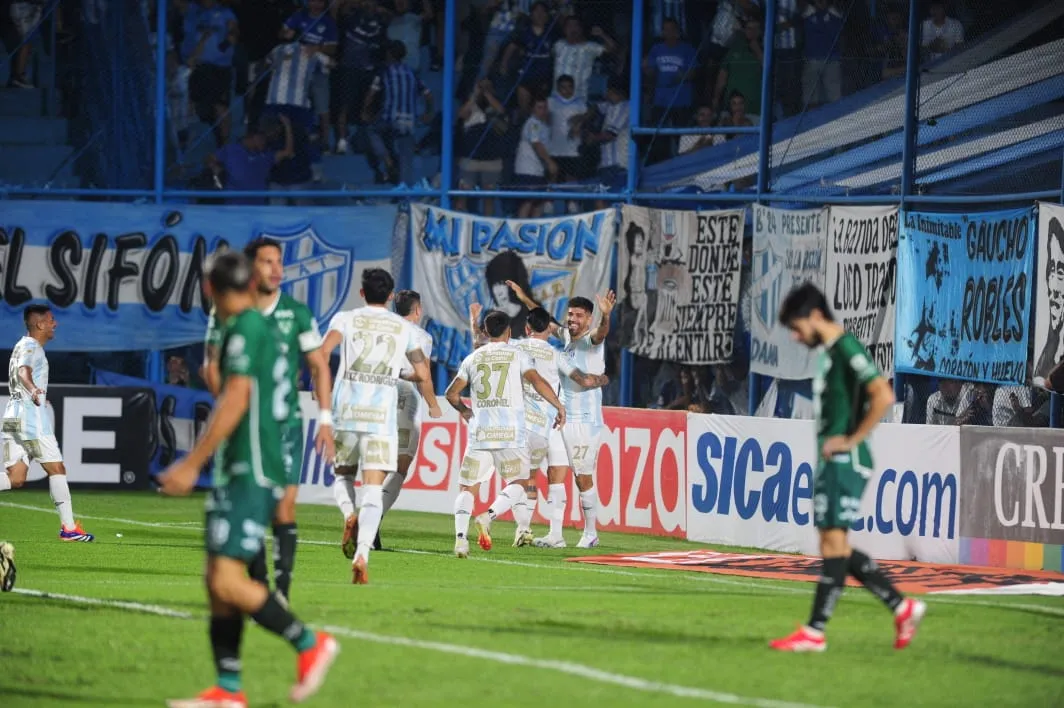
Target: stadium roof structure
{"type": "Point", "coordinates": [976, 113]}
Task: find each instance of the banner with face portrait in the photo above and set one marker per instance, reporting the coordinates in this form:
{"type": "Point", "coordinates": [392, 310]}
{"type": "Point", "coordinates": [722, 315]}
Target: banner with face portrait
{"type": "Point", "coordinates": [460, 259]}
{"type": "Point", "coordinates": [1049, 295]}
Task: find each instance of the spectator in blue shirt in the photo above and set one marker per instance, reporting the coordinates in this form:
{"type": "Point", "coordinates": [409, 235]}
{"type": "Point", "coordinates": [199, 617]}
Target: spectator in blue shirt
{"type": "Point", "coordinates": [316, 30]}
{"type": "Point", "coordinates": [822, 74]}
{"type": "Point", "coordinates": [363, 26]}
{"type": "Point", "coordinates": [534, 42]}
{"type": "Point", "coordinates": [245, 166]}
{"type": "Point", "coordinates": [671, 65]}
{"type": "Point", "coordinates": [211, 32]}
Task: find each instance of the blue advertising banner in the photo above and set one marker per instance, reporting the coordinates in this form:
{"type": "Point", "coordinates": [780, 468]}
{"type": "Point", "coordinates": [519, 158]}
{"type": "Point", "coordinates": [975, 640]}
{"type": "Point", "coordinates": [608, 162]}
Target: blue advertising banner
{"type": "Point", "coordinates": [182, 412]}
{"type": "Point", "coordinates": [128, 277]}
{"type": "Point", "coordinates": [967, 304]}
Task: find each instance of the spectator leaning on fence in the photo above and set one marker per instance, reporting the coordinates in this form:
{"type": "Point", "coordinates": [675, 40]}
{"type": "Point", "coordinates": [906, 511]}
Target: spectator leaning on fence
{"type": "Point", "coordinates": [392, 136]}
{"type": "Point", "coordinates": [940, 34]}
{"type": "Point", "coordinates": [246, 165]}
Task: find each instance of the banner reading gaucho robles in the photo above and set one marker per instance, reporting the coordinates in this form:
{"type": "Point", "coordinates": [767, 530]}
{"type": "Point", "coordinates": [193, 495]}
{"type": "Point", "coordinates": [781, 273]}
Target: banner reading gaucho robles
{"type": "Point", "coordinates": [1013, 484]}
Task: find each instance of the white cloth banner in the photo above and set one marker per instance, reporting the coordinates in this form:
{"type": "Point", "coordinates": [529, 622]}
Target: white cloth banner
{"type": "Point", "coordinates": [678, 276]}
{"type": "Point", "coordinates": [790, 248]}
{"type": "Point", "coordinates": [460, 259]}
{"type": "Point", "coordinates": [862, 273]}
{"type": "Point", "coordinates": [752, 485]}
{"type": "Point", "coordinates": [1049, 300]}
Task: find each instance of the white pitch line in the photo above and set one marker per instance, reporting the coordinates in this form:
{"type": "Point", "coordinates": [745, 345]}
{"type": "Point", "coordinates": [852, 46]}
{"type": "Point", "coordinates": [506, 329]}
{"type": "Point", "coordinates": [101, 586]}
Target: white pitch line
{"type": "Point", "coordinates": [563, 667]}
{"type": "Point", "coordinates": [132, 522]}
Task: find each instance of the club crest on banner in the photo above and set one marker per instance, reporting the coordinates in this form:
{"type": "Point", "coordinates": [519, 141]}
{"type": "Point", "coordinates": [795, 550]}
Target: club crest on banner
{"type": "Point", "coordinates": [316, 273]}
{"type": "Point", "coordinates": [553, 287]}
{"type": "Point", "coordinates": [465, 283]}
{"type": "Point", "coordinates": [767, 287]}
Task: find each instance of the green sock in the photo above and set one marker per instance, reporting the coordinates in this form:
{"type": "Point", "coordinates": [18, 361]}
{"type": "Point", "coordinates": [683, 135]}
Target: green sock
{"type": "Point", "coordinates": [229, 680]}
{"type": "Point", "coordinates": [306, 641]}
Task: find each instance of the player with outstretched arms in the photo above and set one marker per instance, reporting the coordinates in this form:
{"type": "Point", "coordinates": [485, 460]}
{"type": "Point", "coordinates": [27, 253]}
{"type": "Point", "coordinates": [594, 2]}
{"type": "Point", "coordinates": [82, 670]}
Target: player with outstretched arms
{"type": "Point", "coordinates": [545, 440]}
{"type": "Point", "coordinates": [375, 345]}
{"type": "Point", "coordinates": [28, 428]}
{"type": "Point", "coordinates": [850, 398]}
{"type": "Point", "coordinates": [244, 433]}
{"type": "Point", "coordinates": [495, 374]}
{"type": "Point", "coordinates": [407, 304]}
{"type": "Point", "coordinates": [585, 350]}
{"type": "Point", "coordinates": [300, 341]}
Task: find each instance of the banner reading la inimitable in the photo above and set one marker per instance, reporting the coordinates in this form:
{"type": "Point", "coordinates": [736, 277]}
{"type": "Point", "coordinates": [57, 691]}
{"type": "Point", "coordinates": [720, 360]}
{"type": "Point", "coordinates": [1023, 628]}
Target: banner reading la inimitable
{"type": "Point", "coordinates": [967, 299]}
{"type": "Point", "coordinates": [678, 283]}
{"type": "Point", "coordinates": [1049, 302]}
{"type": "Point", "coordinates": [790, 248]}
{"type": "Point", "coordinates": [465, 258]}
{"type": "Point", "coordinates": [128, 277]}
{"type": "Point", "coordinates": [862, 270]}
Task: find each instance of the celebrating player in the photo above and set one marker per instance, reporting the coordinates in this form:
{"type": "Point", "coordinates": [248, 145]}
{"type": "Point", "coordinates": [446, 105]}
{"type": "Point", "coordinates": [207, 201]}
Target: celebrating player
{"type": "Point", "coordinates": [246, 428]}
{"type": "Point", "coordinates": [851, 398]}
{"type": "Point", "coordinates": [28, 428]}
{"type": "Point", "coordinates": [376, 345]}
{"type": "Point", "coordinates": [407, 304]}
{"type": "Point", "coordinates": [299, 338]}
{"type": "Point", "coordinates": [539, 416]}
{"type": "Point", "coordinates": [495, 372]}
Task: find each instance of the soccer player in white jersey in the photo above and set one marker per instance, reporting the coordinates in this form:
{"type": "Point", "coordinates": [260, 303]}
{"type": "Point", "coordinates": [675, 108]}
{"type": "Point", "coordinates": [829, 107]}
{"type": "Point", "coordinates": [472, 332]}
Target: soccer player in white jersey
{"type": "Point", "coordinates": [375, 345]}
{"type": "Point", "coordinates": [407, 304]}
{"type": "Point", "coordinates": [538, 417]}
{"type": "Point", "coordinates": [28, 418]}
{"type": "Point", "coordinates": [495, 373]}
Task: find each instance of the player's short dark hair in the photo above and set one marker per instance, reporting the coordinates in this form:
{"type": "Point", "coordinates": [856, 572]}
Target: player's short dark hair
{"type": "Point", "coordinates": [377, 285]}
{"type": "Point", "coordinates": [582, 303]}
{"type": "Point", "coordinates": [801, 302]}
{"type": "Point", "coordinates": [539, 320]}
{"type": "Point", "coordinates": [32, 311]}
{"type": "Point", "coordinates": [251, 251]}
{"type": "Point", "coordinates": [496, 322]}
{"type": "Point", "coordinates": [228, 272]}
{"type": "Point", "coordinates": [405, 301]}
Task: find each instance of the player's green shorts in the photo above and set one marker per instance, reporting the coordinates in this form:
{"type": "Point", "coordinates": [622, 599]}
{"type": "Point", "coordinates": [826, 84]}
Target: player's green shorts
{"type": "Point", "coordinates": [838, 487]}
{"type": "Point", "coordinates": [238, 514]}
{"type": "Point", "coordinates": [292, 452]}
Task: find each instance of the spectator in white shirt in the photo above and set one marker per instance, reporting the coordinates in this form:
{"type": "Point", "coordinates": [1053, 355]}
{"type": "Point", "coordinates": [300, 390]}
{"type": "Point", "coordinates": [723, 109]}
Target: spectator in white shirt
{"type": "Point", "coordinates": [566, 117]}
{"type": "Point", "coordinates": [614, 140]}
{"type": "Point", "coordinates": [948, 405]}
{"type": "Point", "coordinates": [533, 165]}
{"type": "Point", "coordinates": [574, 56]}
{"type": "Point", "coordinates": [703, 119]}
{"type": "Point", "coordinates": [1021, 407]}
{"type": "Point", "coordinates": [940, 34]}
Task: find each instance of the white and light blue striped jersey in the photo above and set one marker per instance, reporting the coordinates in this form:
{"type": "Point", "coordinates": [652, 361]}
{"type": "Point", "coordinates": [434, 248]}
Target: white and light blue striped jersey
{"type": "Point", "coordinates": [550, 364]}
{"type": "Point", "coordinates": [527, 162]}
{"type": "Point", "coordinates": [787, 10]}
{"type": "Point", "coordinates": [505, 19]}
{"type": "Point", "coordinates": [583, 405]}
{"type": "Point", "coordinates": [402, 89]}
{"type": "Point", "coordinates": [22, 418]}
{"type": "Point", "coordinates": [578, 61]}
{"type": "Point", "coordinates": [373, 351]}
{"type": "Point", "coordinates": [290, 78]}
{"type": "Point", "coordinates": [409, 397]}
{"type": "Point", "coordinates": [562, 110]}
{"type": "Point", "coordinates": [669, 10]}
{"type": "Point", "coordinates": [495, 373]}
{"type": "Point", "coordinates": [615, 120]}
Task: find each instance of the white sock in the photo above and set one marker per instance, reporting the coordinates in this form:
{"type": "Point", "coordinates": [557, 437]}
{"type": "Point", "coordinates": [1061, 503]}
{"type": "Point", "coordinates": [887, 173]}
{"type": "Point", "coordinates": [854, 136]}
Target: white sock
{"type": "Point", "coordinates": [5, 482]}
{"type": "Point", "coordinates": [393, 484]}
{"type": "Point", "coordinates": [589, 505]}
{"type": "Point", "coordinates": [60, 491]}
{"type": "Point", "coordinates": [557, 497]}
{"type": "Point", "coordinates": [508, 497]}
{"type": "Point", "coordinates": [463, 509]}
{"type": "Point", "coordinates": [344, 493]}
{"type": "Point", "coordinates": [523, 512]}
{"type": "Point", "coordinates": [369, 518]}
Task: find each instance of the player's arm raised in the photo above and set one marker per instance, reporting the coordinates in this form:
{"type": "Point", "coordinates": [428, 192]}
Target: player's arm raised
{"type": "Point", "coordinates": [531, 304]}
{"type": "Point", "coordinates": [606, 303]}
{"type": "Point", "coordinates": [543, 388]}
{"type": "Point", "coordinates": [417, 359]}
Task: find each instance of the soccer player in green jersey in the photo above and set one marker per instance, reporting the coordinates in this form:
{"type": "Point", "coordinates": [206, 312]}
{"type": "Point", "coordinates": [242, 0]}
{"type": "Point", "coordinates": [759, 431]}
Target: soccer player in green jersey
{"type": "Point", "coordinates": [249, 477]}
{"type": "Point", "coordinates": [851, 396]}
{"type": "Point", "coordinates": [299, 340]}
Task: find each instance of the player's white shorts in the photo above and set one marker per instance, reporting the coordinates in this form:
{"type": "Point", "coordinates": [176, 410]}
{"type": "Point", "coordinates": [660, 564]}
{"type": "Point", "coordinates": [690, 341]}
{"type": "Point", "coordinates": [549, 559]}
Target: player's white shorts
{"type": "Point", "coordinates": [549, 450]}
{"type": "Point", "coordinates": [582, 442]}
{"type": "Point", "coordinates": [409, 423]}
{"type": "Point", "coordinates": [43, 450]}
{"type": "Point", "coordinates": [511, 463]}
{"type": "Point", "coordinates": [372, 450]}
{"type": "Point", "coordinates": [13, 453]}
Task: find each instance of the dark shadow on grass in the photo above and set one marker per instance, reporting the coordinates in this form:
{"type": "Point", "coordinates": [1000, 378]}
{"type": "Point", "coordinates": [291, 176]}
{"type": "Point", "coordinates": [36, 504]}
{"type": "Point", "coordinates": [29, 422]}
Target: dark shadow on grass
{"type": "Point", "coordinates": [111, 570]}
{"type": "Point", "coordinates": [994, 662]}
{"type": "Point", "coordinates": [554, 628]}
{"type": "Point", "coordinates": [77, 697]}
